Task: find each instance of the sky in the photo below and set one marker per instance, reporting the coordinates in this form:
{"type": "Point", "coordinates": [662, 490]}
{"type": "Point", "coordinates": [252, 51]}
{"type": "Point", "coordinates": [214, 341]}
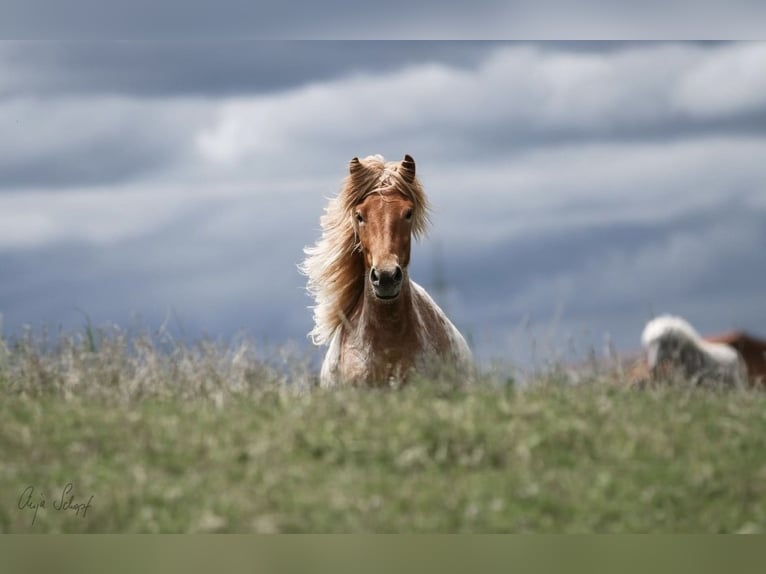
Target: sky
{"type": "Point", "coordinates": [396, 19]}
{"type": "Point", "coordinates": [578, 188]}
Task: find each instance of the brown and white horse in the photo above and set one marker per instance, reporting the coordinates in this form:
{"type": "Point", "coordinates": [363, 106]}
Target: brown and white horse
{"type": "Point", "coordinates": [673, 346]}
{"type": "Point", "coordinates": [381, 326]}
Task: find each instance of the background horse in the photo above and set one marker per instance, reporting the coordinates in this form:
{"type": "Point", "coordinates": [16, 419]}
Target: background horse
{"type": "Point", "coordinates": [380, 325]}
{"type": "Point", "coordinates": [673, 344]}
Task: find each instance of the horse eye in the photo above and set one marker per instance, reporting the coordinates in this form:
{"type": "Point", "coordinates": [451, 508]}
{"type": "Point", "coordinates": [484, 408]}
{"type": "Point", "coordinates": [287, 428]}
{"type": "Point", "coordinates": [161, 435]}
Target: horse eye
{"type": "Point", "coordinates": [359, 217]}
{"type": "Point", "coordinates": [408, 215]}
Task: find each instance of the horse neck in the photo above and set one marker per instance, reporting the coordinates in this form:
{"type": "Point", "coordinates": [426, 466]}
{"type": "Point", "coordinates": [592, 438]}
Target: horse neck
{"type": "Point", "coordinates": [380, 319]}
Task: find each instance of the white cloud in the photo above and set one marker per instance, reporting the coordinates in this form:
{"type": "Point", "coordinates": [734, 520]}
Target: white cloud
{"type": "Point", "coordinates": [98, 216]}
{"type": "Point", "coordinates": [37, 129]}
{"type": "Point", "coordinates": [655, 271]}
{"type": "Point", "coordinates": [520, 89]}
{"type": "Point", "coordinates": [549, 189]}
{"type": "Point", "coordinates": [730, 81]}
{"type": "Point", "coordinates": [576, 186]}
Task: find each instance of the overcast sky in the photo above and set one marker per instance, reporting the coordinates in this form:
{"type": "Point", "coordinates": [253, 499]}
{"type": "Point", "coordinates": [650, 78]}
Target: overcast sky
{"type": "Point", "coordinates": [578, 188]}
{"type": "Point", "coordinates": [395, 19]}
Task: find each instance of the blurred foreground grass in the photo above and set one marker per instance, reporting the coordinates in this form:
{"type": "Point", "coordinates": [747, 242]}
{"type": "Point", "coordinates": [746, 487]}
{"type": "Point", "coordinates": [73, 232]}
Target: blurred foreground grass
{"type": "Point", "coordinates": [169, 438]}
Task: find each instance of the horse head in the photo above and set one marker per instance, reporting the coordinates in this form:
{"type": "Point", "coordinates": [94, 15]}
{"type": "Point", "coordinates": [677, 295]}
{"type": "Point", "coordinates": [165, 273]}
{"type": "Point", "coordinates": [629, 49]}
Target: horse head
{"type": "Point", "coordinates": [383, 223]}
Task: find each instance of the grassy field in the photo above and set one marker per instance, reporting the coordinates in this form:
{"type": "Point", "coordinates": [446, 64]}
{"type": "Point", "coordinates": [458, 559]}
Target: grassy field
{"type": "Point", "coordinates": [169, 438]}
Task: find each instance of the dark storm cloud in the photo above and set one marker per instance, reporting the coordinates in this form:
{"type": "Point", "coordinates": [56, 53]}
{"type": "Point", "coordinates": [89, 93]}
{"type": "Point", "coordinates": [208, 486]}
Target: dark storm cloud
{"type": "Point", "coordinates": [498, 140]}
{"type": "Point", "coordinates": [55, 286]}
{"type": "Point", "coordinates": [109, 161]}
{"type": "Point", "coordinates": [57, 143]}
{"type": "Point", "coordinates": [226, 67]}
{"type": "Point", "coordinates": [396, 19]}
{"type": "Point", "coordinates": [609, 278]}
{"type": "Point", "coordinates": [514, 266]}
{"type": "Point", "coordinates": [208, 282]}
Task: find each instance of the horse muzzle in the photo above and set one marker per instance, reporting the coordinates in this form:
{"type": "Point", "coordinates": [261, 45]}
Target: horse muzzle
{"type": "Point", "coordinates": [386, 283]}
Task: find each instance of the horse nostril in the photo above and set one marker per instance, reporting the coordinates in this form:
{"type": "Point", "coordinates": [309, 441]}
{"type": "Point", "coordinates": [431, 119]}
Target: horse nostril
{"type": "Point", "coordinates": [386, 278]}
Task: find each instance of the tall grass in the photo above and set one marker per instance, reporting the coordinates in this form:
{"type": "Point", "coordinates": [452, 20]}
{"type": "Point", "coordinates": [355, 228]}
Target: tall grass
{"type": "Point", "coordinates": [213, 436]}
{"type": "Point", "coordinates": [109, 363]}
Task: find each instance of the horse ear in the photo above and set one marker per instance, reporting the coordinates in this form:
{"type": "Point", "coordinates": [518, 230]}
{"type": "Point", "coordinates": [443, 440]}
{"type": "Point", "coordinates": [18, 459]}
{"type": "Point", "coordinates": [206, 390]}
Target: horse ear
{"type": "Point", "coordinates": [354, 166]}
{"type": "Point", "coordinates": [408, 169]}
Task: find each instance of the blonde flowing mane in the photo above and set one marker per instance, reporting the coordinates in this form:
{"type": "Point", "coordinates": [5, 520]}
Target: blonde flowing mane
{"type": "Point", "coordinates": [334, 265]}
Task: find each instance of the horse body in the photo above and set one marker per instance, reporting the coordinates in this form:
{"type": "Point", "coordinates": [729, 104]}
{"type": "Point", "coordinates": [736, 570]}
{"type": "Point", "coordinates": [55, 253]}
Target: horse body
{"type": "Point", "coordinates": [381, 326]}
{"type": "Point", "coordinates": [386, 345]}
{"type": "Point", "coordinates": [672, 342]}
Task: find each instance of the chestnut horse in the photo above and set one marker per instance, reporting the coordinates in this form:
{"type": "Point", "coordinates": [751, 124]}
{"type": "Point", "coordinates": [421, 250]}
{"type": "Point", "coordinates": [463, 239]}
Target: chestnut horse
{"type": "Point", "coordinates": [381, 326]}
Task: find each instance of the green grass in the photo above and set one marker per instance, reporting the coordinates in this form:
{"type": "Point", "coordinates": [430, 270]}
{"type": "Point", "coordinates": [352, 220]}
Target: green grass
{"type": "Point", "coordinates": [241, 448]}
